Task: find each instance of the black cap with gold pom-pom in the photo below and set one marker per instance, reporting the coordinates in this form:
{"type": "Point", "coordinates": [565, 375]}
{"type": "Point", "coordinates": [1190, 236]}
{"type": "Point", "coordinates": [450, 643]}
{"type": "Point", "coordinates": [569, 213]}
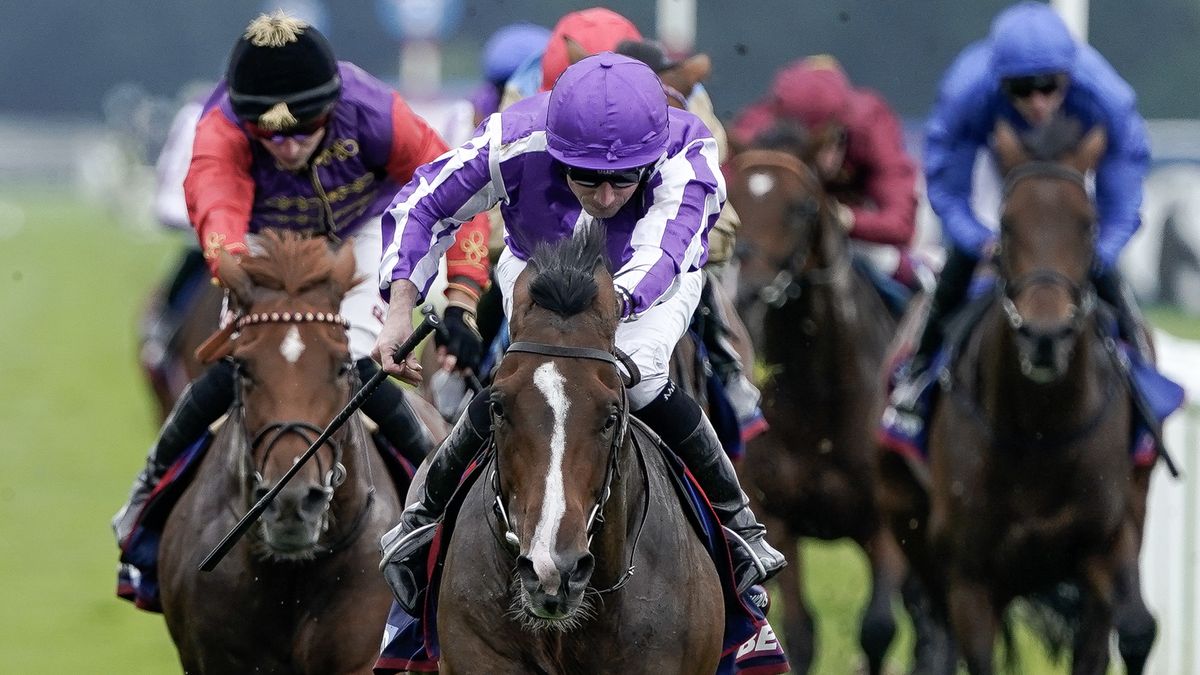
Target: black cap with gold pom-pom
{"type": "Point", "coordinates": [281, 72]}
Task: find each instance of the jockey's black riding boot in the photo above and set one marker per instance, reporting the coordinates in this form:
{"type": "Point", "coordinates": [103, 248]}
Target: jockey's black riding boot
{"type": "Point", "coordinates": [949, 295]}
{"type": "Point", "coordinates": [201, 403]}
{"type": "Point", "coordinates": [680, 423]}
{"type": "Point", "coordinates": [389, 408]}
{"type": "Point", "coordinates": [406, 546]}
{"type": "Point", "coordinates": [1112, 290]}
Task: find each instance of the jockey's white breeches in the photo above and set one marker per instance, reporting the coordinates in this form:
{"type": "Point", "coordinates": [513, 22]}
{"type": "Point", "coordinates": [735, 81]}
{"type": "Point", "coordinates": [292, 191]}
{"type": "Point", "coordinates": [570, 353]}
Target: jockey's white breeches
{"type": "Point", "coordinates": [648, 340]}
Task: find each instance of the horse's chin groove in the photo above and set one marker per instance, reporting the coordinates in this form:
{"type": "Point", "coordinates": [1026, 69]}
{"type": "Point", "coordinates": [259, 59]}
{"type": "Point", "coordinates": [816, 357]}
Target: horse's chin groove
{"type": "Point", "coordinates": [264, 551]}
{"type": "Point", "coordinates": [523, 614]}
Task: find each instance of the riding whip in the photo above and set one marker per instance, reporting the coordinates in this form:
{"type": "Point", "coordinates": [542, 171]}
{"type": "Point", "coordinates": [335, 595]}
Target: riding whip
{"type": "Point", "coordinates": [218, 553]}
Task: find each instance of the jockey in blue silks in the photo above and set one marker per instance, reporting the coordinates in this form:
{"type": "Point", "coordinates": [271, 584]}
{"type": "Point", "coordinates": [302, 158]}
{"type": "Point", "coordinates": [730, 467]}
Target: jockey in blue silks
{"type": "Point", "coordinates": [1026, 72]}
{"type": "Point", "coordinates": [601, 146]}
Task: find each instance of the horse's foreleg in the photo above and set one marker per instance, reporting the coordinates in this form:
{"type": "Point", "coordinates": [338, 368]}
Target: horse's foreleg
{"type": "Point", "coordinates": [878, 624]}
{"type": "Point", "coordinates": [798, 629]}
{"type": "Point", "coordinates": [1136, 627]}
{"type": "Point", "coordinates": [974, 619]}
{"type": "Point", "coordinates": [934, 652]}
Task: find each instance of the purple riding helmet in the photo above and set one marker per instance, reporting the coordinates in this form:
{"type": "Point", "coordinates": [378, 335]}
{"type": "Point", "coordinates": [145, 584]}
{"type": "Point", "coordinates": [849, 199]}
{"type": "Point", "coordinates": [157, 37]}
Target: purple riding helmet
{"type": "Point", "coordinates": [607, 112]}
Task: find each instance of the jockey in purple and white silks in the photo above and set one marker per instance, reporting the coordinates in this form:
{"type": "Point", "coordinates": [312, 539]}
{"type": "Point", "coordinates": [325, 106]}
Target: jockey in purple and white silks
{"type": "Point", "coordinates": [1028, 72]}
{"type": "Point", "coordinates": [601, 146]}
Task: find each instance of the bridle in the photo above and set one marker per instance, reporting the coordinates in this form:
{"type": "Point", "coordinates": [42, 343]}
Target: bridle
{"type": "Point", "coordinates": [1083, 296]}
{"type": "Point", "coordinates": [271, 433]}
{"type": "Point", "coordinates": [795, 274]}
{"type": "Point", "coordinates": [596, 518]}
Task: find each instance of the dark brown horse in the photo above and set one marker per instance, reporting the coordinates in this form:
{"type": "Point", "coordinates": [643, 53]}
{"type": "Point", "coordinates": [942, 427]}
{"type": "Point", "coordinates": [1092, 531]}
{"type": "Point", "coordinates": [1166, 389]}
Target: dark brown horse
{"type": "Point", "coordinates": [824, 331]}
{"type": "Point", "coordinates": [300, 593]}
{"type": "Point", "coordinates": [539, 575]}
{"type": "Point", "coordinates": [1032, 483]}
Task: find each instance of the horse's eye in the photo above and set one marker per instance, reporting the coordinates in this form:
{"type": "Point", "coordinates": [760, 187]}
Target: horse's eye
{"type": "Point", "coordinates": [245, 375]}
{"type": "Point", "coordinates": [497, 410]}
{"type": "Point", "coordinates": [343, 369]}
{"type": "Point", "coordinates": [611, 422]}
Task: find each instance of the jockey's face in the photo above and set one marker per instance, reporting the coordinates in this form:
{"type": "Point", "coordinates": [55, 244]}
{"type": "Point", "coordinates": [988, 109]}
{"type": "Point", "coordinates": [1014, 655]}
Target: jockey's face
{"type": "Point", "coordinates": [602, 195]}
{"type": "Point", "coordinates": [1037, 97]}
{"type": "Point", "coordinates": [832, 155]}
{"type": "Point", "coordinates": [292, 153]}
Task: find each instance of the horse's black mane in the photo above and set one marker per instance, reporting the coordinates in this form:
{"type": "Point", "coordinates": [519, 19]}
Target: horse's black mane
{"type": "Point", "coordinates": [785, 136]}
{"type": "Point", "coordinates": [1052, 140]}
{"type": "Point", "coordinates": [565, 281]}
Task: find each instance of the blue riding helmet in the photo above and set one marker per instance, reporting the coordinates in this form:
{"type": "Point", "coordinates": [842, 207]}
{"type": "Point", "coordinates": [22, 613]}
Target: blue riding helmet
{"type": "Point", "coordinates": [1030, 38]}
{"type": "Point", "coordinates": [509, 47]}
{"type": "Point", "coordinates": [607, 112]}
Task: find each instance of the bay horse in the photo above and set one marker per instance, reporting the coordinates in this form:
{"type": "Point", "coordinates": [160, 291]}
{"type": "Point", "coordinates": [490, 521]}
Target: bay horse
{"type": "Point", "coordinates": [300, 593]}
{"type": "Point", "coordinates": [823, 333]}
{"type": "Point", "coordinates": [1031, 480]}
{"type": "Point", "coordinates": [539, 573]}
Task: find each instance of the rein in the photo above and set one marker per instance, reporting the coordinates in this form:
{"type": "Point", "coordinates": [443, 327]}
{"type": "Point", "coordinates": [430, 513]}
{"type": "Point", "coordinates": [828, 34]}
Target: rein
{"type": "Point", "coordinates": [596, 517]}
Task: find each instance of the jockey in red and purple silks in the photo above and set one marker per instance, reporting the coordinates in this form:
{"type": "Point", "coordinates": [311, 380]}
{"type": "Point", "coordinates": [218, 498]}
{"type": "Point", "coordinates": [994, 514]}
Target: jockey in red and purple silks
{"type": "Point", "coordinates": [601, 147]}
{"type": "Point", "coordinates": [294, 139]}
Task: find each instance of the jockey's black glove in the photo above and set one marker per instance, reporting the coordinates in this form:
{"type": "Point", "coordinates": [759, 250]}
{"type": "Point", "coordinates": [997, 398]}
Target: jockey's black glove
{"type": "Point", "coordinates": [461, 338]}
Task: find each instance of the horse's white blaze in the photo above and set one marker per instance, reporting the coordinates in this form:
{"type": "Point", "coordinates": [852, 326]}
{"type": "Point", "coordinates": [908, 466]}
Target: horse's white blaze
{"type": "Point", "coordinates": [760, 184]}
{"type": "Point", "coordinates": [554, 503]}
{"type": "Point", "coordinates": [292, 346]}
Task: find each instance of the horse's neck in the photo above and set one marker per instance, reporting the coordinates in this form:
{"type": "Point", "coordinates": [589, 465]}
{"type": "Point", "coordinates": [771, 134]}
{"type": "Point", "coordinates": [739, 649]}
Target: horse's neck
{"type": "Point", "coordinates": [1015, 402]}
{"type": "Point", "coordinates": [824, 336]}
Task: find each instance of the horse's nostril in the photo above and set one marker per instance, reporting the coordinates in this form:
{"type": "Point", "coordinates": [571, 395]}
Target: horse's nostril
{"type": "Point", "coordinates": [527, 574]}
{"type": "Point", "coordinates": [582, 573]}
{"type": "Point", "coordinates": [315, 499]}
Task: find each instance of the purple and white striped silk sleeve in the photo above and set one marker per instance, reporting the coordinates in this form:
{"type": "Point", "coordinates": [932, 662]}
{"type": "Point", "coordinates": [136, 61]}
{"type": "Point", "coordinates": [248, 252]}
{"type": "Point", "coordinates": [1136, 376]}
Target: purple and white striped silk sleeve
{"type": "Point", "coordinates": [687, 192]}
{"type": "Point", "coordinates": [419, 225]}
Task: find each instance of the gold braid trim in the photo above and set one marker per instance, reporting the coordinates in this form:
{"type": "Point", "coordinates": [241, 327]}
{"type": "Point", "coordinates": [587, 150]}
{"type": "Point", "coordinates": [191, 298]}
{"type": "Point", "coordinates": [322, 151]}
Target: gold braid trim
{"type": "Point", "coordinates": [274, 30]}
{"type": "Point", "coordinates": [277, 118]}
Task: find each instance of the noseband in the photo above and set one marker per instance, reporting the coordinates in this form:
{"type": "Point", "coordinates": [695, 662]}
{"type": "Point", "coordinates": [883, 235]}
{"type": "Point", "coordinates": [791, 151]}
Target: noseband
{"type": "Point", "coordinates": [789, 282]}
{"type": "Point", "coordinates": [596, 517]}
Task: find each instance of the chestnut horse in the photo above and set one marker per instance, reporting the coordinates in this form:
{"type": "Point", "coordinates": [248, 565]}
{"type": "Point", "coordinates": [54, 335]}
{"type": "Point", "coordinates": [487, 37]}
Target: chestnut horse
{"type": "Point", "coordinates": [300, 593]}
{"type": "Point", "coordinates": [1031, 482]}
{"type": "Point", "coordinates": [824, 331]}
{"type": "Point", "coordinates": [539, 574]}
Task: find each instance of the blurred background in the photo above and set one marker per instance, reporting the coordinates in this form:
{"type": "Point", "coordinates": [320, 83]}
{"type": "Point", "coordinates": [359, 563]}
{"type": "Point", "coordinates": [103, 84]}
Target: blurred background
{"type": "Point", "coordinates": [88, 91]}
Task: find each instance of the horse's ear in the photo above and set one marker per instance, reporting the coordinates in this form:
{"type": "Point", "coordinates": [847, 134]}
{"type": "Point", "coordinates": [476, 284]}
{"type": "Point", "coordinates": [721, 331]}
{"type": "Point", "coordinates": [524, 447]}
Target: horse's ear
{"type": "Point", "coordinates": [1089, 151]}
{"type": "Point", "coordinates": [344, 268]}
{"type": "Point", "coordinates": [233, 277]}
{"type": "Point", "coordinates": [1007, 146]}
{"type": "Point", "coordinates": [575, 51]}
{"type": "Point", "coordinates": [696, 68]}
{"type": "Point", "coordinates": [520, 300]}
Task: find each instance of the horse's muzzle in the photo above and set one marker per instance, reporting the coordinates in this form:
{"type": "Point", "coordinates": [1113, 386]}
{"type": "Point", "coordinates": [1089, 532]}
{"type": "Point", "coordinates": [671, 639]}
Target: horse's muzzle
{"type": "Point", "coordinates": [560, 593]}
